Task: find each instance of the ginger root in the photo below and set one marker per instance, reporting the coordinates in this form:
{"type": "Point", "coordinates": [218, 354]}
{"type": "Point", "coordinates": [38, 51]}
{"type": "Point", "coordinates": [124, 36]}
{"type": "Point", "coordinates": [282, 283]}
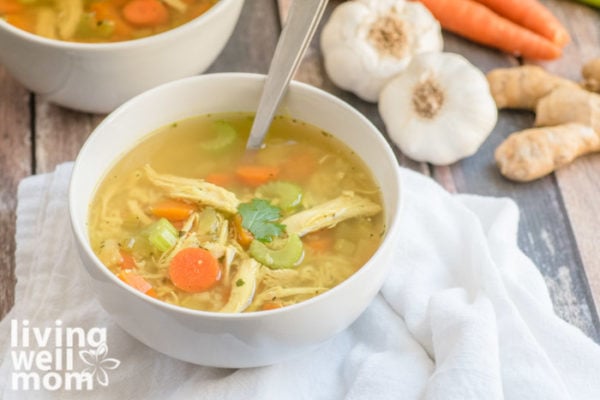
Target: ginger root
{"type": "Point", "coordinates": [522, 87]}
{"type": "Point", "coordinates": [532, 153]}
{"type": "Point", "coordinates": [567, 104]}
{"type": "Point", "coordinates": [591, 75]}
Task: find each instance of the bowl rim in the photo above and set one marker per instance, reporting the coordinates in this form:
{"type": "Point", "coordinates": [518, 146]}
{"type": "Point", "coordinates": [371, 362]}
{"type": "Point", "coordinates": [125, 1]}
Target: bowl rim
{"type": "Point", "coordinates": [121, 45]}
{"type": "Point", "coordinates": [388, 241]}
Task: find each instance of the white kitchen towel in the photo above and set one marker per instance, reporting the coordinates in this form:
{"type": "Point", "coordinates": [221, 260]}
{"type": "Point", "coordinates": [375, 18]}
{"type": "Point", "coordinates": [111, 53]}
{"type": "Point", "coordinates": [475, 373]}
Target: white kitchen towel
{"type": "Point", "coordinates": [463, 315]}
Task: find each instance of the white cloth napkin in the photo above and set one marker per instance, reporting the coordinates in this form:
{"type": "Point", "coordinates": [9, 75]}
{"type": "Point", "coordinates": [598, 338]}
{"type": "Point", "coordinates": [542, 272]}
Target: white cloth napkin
{"type": "Point", "coordinates": [463, 315]}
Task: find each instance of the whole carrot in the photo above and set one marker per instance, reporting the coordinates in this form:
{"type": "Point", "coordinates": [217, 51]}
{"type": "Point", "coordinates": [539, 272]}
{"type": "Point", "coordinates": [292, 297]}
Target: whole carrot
{"type": "Point", "coordinates": [478, 23]}
{"type": "Point", "coordinates": [533, 15]}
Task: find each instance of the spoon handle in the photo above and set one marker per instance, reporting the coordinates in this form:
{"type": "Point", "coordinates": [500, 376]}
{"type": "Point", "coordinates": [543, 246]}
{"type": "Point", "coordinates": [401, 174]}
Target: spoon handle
{"type": "Point", "coordinates": [299, 28]}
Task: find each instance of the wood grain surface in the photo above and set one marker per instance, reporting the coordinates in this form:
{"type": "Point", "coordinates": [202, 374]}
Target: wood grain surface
{"type": "Point", "coordinates": [559, 214]}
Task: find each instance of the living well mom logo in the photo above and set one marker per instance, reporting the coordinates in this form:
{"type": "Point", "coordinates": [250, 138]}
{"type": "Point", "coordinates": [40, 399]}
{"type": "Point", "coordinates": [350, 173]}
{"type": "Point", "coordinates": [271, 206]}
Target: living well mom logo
{"type": "Point", "coordinates": [58, 357]}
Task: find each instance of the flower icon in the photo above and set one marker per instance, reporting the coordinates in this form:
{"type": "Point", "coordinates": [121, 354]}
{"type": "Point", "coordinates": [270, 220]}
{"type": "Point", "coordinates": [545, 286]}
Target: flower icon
{"type": "Point", "coordinates": [98, 363]}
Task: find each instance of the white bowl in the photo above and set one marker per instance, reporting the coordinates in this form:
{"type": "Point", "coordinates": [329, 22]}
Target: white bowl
{"type": "Point", "coordinates": [231, 340]}
{"type": "Point", "coordinates": [98, 77]}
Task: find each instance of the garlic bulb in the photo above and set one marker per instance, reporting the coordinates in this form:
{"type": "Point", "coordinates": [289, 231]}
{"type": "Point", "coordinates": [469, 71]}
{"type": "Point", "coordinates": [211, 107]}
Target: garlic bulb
{"type": "Point", "coordinates": [366, 42]}
{"type": "Point", "coordinates": [439, 109]}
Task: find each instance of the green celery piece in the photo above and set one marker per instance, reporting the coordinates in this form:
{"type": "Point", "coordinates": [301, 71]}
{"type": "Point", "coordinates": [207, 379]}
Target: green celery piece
{"type": "Point", "coordinates": [284, 194]}
{"type": "Point", "coordinates": [286, 257]}
{"type": "Point", "coordinates": [162, 235]}
{"type": "Point", "coordinates": [224, 136]}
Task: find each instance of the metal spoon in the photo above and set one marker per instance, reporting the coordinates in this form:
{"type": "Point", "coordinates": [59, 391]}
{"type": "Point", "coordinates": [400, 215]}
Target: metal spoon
{"type": "Point", "coordinates": [299, 28]}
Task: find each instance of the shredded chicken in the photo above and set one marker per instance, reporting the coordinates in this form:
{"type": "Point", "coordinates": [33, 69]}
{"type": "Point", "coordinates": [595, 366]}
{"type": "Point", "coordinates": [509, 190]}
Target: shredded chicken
{"type": "Point", "coordinates": [330, 213]}
{"type": "Point", "coordinates": [279, 293]}
{"type": "Point", "coordinates": [195, 190]}
{"type": "Point", "coordinates": [243, 286]}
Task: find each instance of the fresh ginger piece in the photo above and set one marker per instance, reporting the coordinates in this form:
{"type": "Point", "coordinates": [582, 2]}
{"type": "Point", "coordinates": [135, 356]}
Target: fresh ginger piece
{"type": "Point", "coordinates": [591, 75]}
{"type": "Point", "coordinates": [532, 153]}
{"type": "Point", "coordinates": [522, 87]}
{"type": "Point", "coordinates": [567, 104]}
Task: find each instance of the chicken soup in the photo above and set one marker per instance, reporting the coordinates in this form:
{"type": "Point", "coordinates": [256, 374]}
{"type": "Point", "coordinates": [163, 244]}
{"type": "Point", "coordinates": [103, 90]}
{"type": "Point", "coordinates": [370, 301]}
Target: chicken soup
{"type": "Point", "coordinates": [190, 218]}
{"type": "Point", "coordinates": [100, 20]}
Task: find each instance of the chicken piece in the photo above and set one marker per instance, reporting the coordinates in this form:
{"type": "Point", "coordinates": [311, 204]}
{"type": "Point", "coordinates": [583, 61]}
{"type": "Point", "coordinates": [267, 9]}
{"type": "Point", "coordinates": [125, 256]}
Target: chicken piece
{"type": "Point", "coordinates": [330, 213]}
{"type": "Point", "coordinates": [195, 190]}
{"type": "Point", "coordinates": [243, 286]}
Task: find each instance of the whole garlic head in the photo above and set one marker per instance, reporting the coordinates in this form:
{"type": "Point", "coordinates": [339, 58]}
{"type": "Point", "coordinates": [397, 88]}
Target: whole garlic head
{"type": "Point", "coordinates": [366, 42]}
{"type": "Point", "coordinates": [439, 109]}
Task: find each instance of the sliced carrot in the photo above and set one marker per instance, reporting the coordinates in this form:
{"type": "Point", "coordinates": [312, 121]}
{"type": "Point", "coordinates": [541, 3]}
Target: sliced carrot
{"type": "Point", "coordinates": [199, 9]}
{"type": "Point", "coordinates": [105, 11]}
{"type": "Point", "coordinates": [299, 166]}
{"type": "Point", "coordinates": [242, 235]}
{"type": "Point", "coordinates": [173, 210]}
{"type": "Point", "coordinates": [146, 13]}
{"type": "Point", "coordinates": [21, 21]}
{"type": "Point", "coordinates": [194, 270]}
{"type": "Point", "coordinates": [256, 175]}
{"type": "Point", "coordinates": [270, 306]}
{"type": "Point", "coordinates": [220, 178]}
{"type": "Point", "coordinates": [478, 23]}
{"type": "Point", "coordinates": [137, 282]}
{"type": "Point", "coordinates": [320, 241]}
{"type": "Point", "coordinates": [10, 6]}
{"type": "Point", "coordinates": [127, 261]}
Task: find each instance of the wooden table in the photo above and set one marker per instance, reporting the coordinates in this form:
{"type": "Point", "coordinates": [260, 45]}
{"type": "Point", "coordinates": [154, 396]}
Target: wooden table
{"type": "Point", "coordinates": [560, 214]}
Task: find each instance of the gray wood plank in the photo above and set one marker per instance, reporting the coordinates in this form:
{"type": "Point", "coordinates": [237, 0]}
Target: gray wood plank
{"type": "Point", "coordinates": [545, 232]}
{"type": "Point", "coordinates": [59, 134]}
{"type": "Point", "coordinates": [15, 164]}
{"type": "Point", "coordinates": [580, 182]}
{"type": "Point", "coordinates": [253, 42]}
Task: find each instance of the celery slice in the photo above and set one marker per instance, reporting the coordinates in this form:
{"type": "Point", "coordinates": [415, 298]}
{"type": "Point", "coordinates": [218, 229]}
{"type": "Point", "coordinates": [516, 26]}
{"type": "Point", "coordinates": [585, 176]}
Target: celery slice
{"type": "Point", "coordinates": [162, 235]}
{"type": "Point", "coordinates": [224, 136]}
{"type": "Point", "coordinates": [286, 257]}
{"type": "Point", "coordinates": [285, 195]}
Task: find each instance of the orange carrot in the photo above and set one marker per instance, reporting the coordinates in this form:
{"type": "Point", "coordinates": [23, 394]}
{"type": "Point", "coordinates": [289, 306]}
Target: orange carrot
{"type": "Point", "coordinates": [146, 12]}
{"type": "Point", "coordinates": [199, 9]}
{"type": "Point", "coordinates": [21, 21]}
{"type": "Point", "coordinates": [103, 10]}
{"type": "Point", "coordinates": [270, 306]}
{"type": "Point", "coordinates": [480, 24]}
{"type": "Point", "coordinates": [299, 166]}
{"type": "Point", "coordinates": [127, 261]}
{"type": "Point", "coordinates": [319, 241]}
{"type": "Point", "coordinates": [220, 178]}
{"type": "Point", "coordinates": [10, 6]}
{"type": "Point", "coordinates": [242, 235]}
{"type": "Point", "coordinates": [256, 175]}
{"type": "Point", "coordinates": [137, 282]}
{"type": "Point", "coordinates": [533, 15]}
{"type": "Point", "coordinates": [172, 210]}
{"type": "Point", "coordinates": [194, 270]}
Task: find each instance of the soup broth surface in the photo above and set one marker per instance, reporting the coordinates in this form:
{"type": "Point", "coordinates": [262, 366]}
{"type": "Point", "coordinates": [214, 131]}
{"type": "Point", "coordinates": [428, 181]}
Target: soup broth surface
{"type": "Point", "coordinates": [284, 224]}
{"type": "Point", "coordinates": [98, 21]}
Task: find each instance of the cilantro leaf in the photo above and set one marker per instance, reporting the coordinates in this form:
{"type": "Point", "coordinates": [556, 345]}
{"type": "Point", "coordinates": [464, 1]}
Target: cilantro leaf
{"type": "Point", "coordinates": [260, 217]}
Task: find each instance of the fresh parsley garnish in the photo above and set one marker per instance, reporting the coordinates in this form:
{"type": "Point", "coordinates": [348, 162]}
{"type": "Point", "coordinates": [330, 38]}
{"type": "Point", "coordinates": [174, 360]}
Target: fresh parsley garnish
{"type": "Point", "coordinates": [260, 218]}
{"type": "Point", "coordinates": [240, 282]}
